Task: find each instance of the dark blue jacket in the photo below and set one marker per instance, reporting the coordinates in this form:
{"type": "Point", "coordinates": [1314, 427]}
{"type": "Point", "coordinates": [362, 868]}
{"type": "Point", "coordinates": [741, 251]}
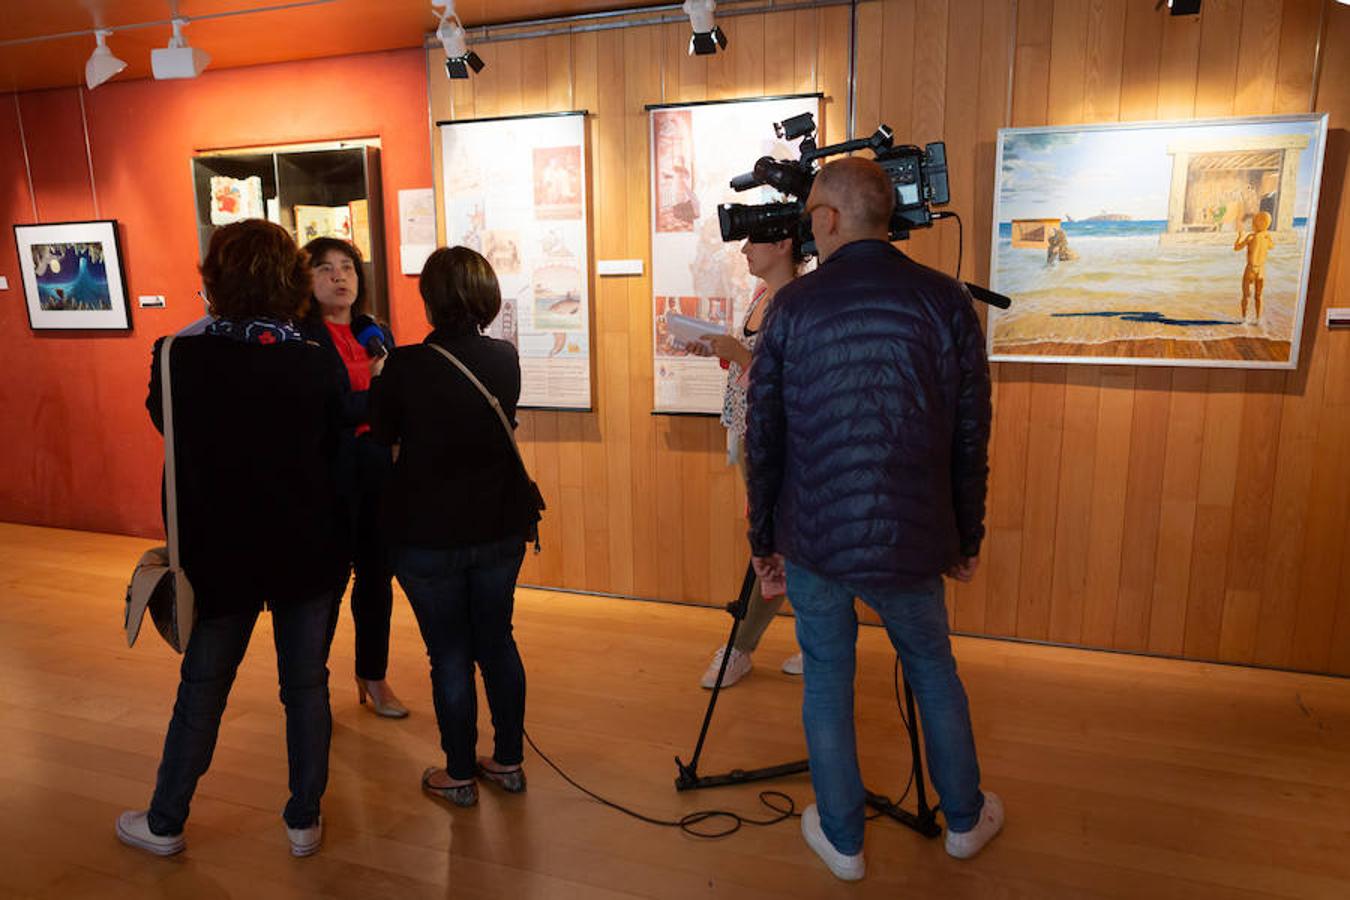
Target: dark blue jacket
{"type": "Point", "coordinates": [868, 424]}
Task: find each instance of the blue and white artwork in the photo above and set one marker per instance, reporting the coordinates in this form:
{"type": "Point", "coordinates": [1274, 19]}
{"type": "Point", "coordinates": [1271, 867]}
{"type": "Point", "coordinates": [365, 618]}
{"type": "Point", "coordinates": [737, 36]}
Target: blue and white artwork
{"type": "Point", "coordinates": [1156, 243]}
{"type": "Point", "coordinates": [72, 276]}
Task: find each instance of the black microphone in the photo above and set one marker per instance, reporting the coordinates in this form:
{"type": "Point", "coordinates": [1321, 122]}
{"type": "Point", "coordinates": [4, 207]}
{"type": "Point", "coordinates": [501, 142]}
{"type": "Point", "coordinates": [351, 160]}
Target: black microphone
{"type": "Point", "coordinates": [984, 295]}
{"type": "Point", "coordinates": [369, 335]}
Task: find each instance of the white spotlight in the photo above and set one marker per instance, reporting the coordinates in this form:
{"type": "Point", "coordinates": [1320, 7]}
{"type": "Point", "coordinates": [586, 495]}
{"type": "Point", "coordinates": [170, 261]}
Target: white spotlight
{"type": "Point", "coordinates": [102, 64]}
{"type": "Point", "coordinates": [178, 60]}
{"type": "Point", "coordinates": [707, 38]}
{"type": "Point", "coordinates": [459, 58]}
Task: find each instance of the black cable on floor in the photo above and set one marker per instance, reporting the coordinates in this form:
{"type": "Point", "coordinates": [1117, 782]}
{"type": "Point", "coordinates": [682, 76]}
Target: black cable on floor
{"type": "Point", "coordinates": [686, 823]}
{"type": "Point", "coordinates": [734, 821]}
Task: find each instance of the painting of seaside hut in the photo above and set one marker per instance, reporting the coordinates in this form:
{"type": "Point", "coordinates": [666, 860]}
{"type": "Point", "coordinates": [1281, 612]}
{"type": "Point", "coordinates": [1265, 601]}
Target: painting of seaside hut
{"type": "Point", "coordinates": [1162, 243]}
{"type": "Point", "coordinates": [1217, 188]}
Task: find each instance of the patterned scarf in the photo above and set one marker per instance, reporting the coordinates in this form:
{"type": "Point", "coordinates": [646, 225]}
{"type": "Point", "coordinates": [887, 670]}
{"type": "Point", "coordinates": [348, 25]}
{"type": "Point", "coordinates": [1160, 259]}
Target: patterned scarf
{"type": "Point", "coordinates": [254, 331]}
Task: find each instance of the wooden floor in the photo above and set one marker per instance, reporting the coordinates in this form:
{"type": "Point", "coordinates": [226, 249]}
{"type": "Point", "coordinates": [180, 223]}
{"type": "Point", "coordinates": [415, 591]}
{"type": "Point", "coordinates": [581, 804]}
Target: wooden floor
{"type": "Point", "coordinates": [1123, 776]}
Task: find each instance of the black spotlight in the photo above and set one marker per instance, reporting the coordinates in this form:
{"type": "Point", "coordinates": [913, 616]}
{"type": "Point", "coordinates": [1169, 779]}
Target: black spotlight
{"type": "Point", "coordinates": [1183, 7]}
{"type": "Point", "coordinates": [459, 59]}
{"type": "Point", "coordinates": [707, 43]}
{"type": "Point", "coordinates": [459, 66]}
{"type": "Point", "coordinates": [707, 38]}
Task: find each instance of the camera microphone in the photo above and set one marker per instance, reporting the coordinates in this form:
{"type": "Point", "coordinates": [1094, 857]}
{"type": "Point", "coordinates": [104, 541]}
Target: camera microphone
{"type": "Point", "coordinates": [984, 295]}
{"type": "Point", "coordinates": [369, 335]}
{"type": "Point", "coordinates": [744, 182]}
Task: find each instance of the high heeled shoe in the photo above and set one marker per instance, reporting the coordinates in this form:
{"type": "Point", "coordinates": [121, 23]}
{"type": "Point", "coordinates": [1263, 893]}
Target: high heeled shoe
{"type": "Point", "coordinates": [390, 709]}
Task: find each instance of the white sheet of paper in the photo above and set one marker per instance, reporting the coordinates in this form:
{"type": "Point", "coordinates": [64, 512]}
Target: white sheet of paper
{"type": "Point", "coordinates": [412, 257]}
{"type": "Point", "coordinates": [417, 216]}
{"type": "Point", "coordinates": [689, 330]}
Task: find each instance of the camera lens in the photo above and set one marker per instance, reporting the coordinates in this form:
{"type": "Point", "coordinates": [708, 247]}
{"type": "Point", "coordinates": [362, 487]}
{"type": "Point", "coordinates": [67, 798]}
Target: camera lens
{"type": "Point", "coordinates": [762, 224]}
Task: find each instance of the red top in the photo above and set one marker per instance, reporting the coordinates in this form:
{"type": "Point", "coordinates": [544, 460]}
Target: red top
{"type": "Point", "coordinates": [354, 357]}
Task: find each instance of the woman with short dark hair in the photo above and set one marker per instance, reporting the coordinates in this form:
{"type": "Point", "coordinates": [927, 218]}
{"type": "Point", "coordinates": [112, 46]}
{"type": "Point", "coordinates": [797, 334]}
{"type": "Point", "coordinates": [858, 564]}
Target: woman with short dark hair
{"type": "Point", "coordinates": [339, 323]}
{"type": "Point", "coordinates": [459, 514]}
{"type": "Point", "coordinates": [255, 426]}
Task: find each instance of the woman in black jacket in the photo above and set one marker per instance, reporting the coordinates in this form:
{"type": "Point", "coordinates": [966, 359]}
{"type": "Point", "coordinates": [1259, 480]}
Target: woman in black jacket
{"type": "Point", "coordinates": [459, 512]}
{"type": "Point", "coordinates": [356, 345]}
{"type": "Point", "coordinates": [255, 438]}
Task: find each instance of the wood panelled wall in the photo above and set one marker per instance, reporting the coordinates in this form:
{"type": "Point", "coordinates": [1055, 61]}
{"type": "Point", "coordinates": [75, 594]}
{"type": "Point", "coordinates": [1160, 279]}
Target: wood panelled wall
{"type": "Point", "coordinates": [1187, 512]}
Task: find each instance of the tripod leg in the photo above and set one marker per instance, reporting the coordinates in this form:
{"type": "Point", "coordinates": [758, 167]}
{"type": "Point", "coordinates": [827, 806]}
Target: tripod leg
{"type": "Point", "coordinates": [921, 793]}
{"type": "Point", "coordinates": [925, 820]}
{"type": "Point", "coordinates": [689, 773]}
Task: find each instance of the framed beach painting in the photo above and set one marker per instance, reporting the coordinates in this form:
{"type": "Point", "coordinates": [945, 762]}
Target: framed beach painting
{"type": "Point", "coordinates": [1156, 243]}
{"type": "Point", "coordinates": [72, 276]}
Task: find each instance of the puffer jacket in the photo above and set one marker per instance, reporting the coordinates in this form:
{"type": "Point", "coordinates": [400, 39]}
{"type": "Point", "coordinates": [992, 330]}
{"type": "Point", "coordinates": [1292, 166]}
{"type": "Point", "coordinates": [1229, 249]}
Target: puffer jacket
{"type": "Point", "coordinates": [868, 423]}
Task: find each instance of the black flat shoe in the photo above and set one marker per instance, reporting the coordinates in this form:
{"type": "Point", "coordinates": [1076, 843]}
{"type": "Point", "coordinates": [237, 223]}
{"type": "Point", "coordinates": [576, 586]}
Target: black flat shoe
{"type": "Point", "coordinates": [512, 780]}
{"type": "Point", "coordinates": [463, 795]}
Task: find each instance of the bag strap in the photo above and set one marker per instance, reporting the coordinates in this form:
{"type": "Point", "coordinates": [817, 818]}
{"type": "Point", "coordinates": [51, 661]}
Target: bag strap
{"type": "Point", "coordinates": [491, 399]}
{"type": "Point", "coordinates": [170, 470]}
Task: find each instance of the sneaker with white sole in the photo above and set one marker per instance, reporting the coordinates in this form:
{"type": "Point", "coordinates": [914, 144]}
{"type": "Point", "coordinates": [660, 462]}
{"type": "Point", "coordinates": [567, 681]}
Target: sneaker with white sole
{"type": "Point", "coordinates": [844, 867]}
{"type": "Point", "coordinates": [738, 667]}
{"type": "Point", "coordinates": [965, 844]}
{"type": "Point", "coordinates": [133, 829]}
{"type": "Point", "coordinates": [793, 664]}
{"type": "Point", "coordinates": [306, 841]}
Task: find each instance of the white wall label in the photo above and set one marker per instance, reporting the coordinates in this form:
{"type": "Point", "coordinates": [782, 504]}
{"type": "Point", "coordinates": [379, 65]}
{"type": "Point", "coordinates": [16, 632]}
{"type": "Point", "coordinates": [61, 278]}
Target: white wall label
{"type": "Point", "coordinates": [618, 267]}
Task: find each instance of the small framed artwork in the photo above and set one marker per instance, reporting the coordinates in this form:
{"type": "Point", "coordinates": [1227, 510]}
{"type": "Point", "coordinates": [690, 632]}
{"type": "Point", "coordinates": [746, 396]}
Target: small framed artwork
{"type": "Point", "coordinates": [72, 276]}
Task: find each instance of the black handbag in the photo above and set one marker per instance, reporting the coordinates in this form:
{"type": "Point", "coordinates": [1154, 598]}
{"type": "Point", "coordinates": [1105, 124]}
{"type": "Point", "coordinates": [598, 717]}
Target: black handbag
{"type": "Point", "coordinates": [533, 499]}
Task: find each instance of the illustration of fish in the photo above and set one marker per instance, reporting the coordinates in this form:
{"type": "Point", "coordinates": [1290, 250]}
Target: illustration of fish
{"type": "Point", "coordinates": [565, 307]}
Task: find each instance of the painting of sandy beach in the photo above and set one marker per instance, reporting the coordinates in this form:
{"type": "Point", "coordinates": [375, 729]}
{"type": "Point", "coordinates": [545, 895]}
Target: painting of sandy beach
{"type": "Point", "coordinates": [1156, 243]}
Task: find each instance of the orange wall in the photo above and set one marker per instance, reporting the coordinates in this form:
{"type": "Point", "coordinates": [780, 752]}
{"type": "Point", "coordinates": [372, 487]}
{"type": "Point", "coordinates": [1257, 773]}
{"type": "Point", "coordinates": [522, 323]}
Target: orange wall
{"type": "Point", "coordinates": [78, 449]}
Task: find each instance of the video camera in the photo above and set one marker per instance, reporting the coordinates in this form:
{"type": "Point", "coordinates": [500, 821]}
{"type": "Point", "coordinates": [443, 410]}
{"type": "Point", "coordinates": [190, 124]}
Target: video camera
{"type": "Point", "coordinates": [918, 176]}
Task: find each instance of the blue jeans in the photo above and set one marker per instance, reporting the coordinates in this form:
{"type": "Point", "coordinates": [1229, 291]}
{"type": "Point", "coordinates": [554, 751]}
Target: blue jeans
{"type": "Point", "coordinates": [916, 621]}
{"type": "Point", "coordinates": [463, 598]}
{"type": "Point", "coordinates": [302, 632]}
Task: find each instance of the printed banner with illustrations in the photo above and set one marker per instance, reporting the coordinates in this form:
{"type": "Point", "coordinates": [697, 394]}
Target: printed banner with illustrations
{"type": "Point", "coordinates": [515, 191]}
{"type": "Point", "coordinates": [696, 150]}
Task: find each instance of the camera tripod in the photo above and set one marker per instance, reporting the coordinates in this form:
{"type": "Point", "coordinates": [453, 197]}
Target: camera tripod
{"type": "Point", "coordinates": [924, 821]}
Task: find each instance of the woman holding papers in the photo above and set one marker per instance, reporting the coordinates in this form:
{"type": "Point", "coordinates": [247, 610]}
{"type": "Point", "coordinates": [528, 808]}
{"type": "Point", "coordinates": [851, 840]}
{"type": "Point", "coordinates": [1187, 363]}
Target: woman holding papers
{"type": "Point", "coordinates": [774, 264]}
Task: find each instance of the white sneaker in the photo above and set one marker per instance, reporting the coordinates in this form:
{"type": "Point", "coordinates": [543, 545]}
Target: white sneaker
{"type": "Point", "coordinates": [847, 868]}
{"type": "Point", "coordinates": [793, 664]}
{"type": "Point", "coordinates": [738, 667]}
{"type": "Point", "coordinates": [966, 844]}
{"type": "Point", "coordinates": [134, 830]}
{"type": "Point", "coordinates": [306, 841]}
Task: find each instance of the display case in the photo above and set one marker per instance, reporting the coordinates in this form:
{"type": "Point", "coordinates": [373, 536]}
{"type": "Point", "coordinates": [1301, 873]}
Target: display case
{"type": "Point", "coordinates": [311, 190]}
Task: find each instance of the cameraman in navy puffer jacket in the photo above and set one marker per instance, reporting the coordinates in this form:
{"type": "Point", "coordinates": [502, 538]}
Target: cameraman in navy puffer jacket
{"type": "Point", "coordinates": [867, 443]}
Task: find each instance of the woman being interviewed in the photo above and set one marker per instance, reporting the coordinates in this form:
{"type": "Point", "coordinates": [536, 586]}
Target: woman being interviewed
{"type": "Point", "coordinates": [458, 513]}
{"type": "Point", "coordinates": [255, 426]}
{"type": "Point", "coordinates": [774, 263]}
{"type": "Point", "coordinates": [338, 322]}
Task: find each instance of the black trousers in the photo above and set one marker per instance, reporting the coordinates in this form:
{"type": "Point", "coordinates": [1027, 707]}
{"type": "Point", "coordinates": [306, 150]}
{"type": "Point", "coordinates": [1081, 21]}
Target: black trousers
{"type": "Point", "coordinates": [372, 592]}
